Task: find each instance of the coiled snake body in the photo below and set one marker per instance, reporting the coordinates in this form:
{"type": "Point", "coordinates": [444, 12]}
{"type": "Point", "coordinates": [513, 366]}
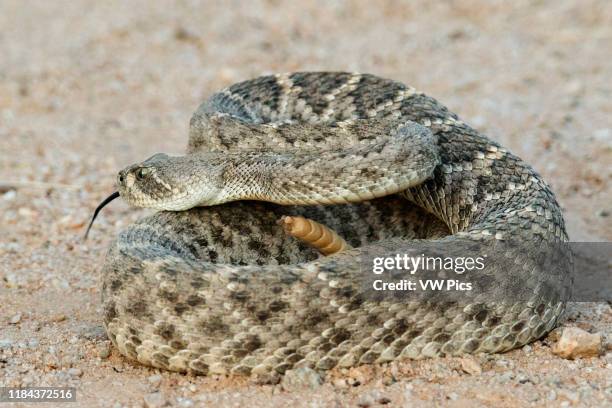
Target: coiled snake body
{"type": "Point", "coordinates": [219, 288]}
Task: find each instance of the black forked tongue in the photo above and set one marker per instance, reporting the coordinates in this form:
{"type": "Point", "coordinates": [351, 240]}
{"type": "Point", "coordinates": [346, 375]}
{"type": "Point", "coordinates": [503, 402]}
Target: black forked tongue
{"type": "Point", "coordinates": [101, 206]}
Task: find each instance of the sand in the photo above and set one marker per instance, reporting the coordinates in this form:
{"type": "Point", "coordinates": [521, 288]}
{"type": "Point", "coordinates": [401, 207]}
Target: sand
{"type": "Point", "coordinates": [88, 87]}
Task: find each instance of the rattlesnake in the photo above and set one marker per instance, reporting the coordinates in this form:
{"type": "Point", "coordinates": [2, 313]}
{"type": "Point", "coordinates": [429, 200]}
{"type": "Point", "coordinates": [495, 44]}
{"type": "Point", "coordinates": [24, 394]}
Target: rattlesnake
{"type": "Point", "coordinates": [219, 288]}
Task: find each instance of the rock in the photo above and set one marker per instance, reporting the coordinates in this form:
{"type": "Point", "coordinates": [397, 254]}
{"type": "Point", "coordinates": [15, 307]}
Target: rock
{"type": "Point", "coordinates": [183, 34]}
{"type": "Point", "coordinates": [75, 372]}
{"type": "Point", "coordinates": [523, 379]}
{"type": "Point", "coordinates": [155, 400]}
{"type": "Point", "coordinates": [26, 212]}
{"type": "Point", "coordinates": [471, 366]}
{"type": "Point", "coordinates": [104, 351]}
{"type": "Point", "coordinates": [383, 400]}
{"type": "Point", "coordinates": [5, 344]}
{"type": "Point", "coordinates": [9, 192]}
{"type": "Point", "coordinates": [94, 333]}
{"type": "Point", "coordinates": [266, 379]}
{"type": "Point", "coordinates": [52, 361]}
{"type": "Point", "coordinates": [15, 319]}
{"type": "Point", "coordinates": [569, 395]}
{"type": "Point", "coordinates": [504, 364]}
{"type": "Point", "coordinates": [408, 395]}
{"type": "Point", "coordinates": [602, 135]}
{"type": "Point", "coordinates": [532, 397]}
{"type": "Point", "coordinates": [388, 380]}
{"type": "Point", "coordinates": [440, 370]}
{"type": "Point", "coordinates": [576, 343]}
{"type": "Point", "coordinates": [155, 380]}
{"type": "Point", "coordinates": [505, 377]}
{"type": "Point", "coordinates": [301, 378]}
{"type": "Point", "coordinates": [554, 335]}
{"type": "Point", "coordinates": [58, 318]}
{"type": "Point", "coordinates": [371, 398]}
{"type": "Point", "coordinates": [340, 383]}
{"type": "Point", "coordinates": [184, 402]}
{"type": "Point", "coordinates": [366, 400]}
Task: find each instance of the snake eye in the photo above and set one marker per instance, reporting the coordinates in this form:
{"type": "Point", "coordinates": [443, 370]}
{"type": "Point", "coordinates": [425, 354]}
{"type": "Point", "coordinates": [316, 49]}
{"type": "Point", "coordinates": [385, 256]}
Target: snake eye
{"type": "Point", "coordinates": [142, 172]}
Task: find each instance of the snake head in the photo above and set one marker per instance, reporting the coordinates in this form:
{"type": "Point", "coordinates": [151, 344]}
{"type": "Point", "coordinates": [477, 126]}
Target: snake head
{"type": "Point", "coordinates": [172, 183]}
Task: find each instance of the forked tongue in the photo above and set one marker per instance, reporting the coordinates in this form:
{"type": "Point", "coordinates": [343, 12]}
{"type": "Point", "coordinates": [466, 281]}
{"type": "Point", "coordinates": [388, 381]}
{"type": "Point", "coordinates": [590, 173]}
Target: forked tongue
{"type": "Point", "coordinates": [102, 205]}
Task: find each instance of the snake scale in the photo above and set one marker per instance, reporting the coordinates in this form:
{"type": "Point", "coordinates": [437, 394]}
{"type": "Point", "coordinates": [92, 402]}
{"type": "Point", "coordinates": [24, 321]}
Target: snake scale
{"type": "Point", "coordinates": [212, 285]}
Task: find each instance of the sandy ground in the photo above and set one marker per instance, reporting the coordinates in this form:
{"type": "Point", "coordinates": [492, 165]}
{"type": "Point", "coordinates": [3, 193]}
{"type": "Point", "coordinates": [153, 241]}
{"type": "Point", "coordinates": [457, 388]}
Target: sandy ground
{"type": "Point", "coordinates": [88, 87]}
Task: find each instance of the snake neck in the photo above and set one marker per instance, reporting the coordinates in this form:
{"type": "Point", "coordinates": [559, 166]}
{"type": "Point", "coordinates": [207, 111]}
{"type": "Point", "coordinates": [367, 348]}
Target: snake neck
{"type": "Point", "coordinates": [248, 178]}
{"type": "Point", "coordinates": [332, 177]}
{"type": "Point", "coordinates": [359, 172]}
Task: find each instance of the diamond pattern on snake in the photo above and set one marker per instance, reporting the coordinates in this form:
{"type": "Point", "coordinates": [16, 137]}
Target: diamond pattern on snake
{"type": "Point", "coordinates": [212, 284]}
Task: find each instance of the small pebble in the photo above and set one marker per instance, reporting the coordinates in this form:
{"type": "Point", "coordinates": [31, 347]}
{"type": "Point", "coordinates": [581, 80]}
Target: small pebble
{"type": "Point", "coordinates": [75, 372]}
{"type": "Point", "coordinates": [26, 212]}
{"type": "Point", "coordinates": [533, 397]}
{"type": "Point", "coordinates": [576, 343]}
{"type": "Point", "coordinates": [602, 134]}
{"type": "Point", "coordinates": [523, 379]}
{"type": "Point", "coordinates": [104, 351]}
{"type": "Point", "coordinates": [155, 400]}
{"type": "Point", "coordinates": [340, 383]}
{"type": "Point", "coordinates": [505, 377]}
{"type": "Point", "coordinates": [5, 344]}
{"type": "Point", "coordinates": [52, 361]}
{"type": "Point", "coordinates": [389, 380]}
{"type": "Point", "coordinates": [471, 366]}
{"type": "Point", "coordinates": [365, 401]}
{"type": "Point", "coordinates": [93, 333]}
{"type": "Point", "coordinates": [184, 402]}
{"type": "Point", "coordinates": [372, 397]}
{"type": "Point", "coordinates": [301, 378]}
{"type": "Point", "coordinates": [569, 395]}
{"type": "Point", "coordinates": [58, 318]}
{"type": "Point", "coordinates": [356, 379]}
{"type": "Point", "coordinates": [15, 319]}
{"type": "Point", "coordinates": [408, 396]}
{"type": "Point", "coordinates": [554, 335]}
{"type": "Point", "coordinates": [155, 380]}
{"type": "Point", "coordinates": [9, 195]}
